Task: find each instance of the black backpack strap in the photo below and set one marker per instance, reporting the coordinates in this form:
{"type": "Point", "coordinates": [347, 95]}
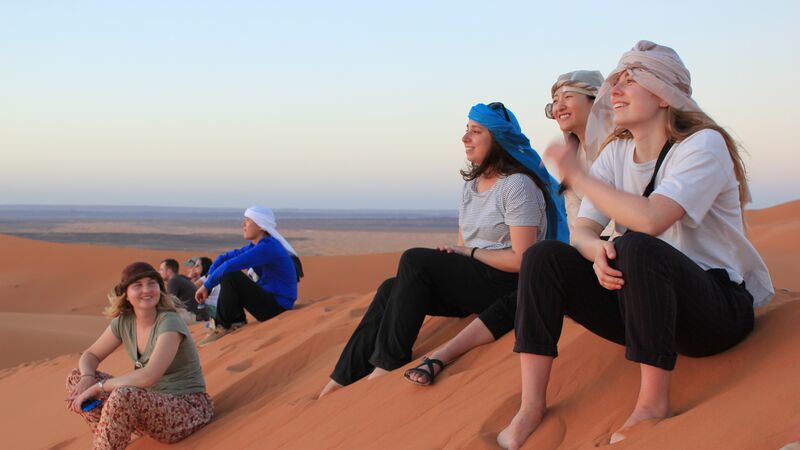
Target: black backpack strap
{"type": "Point", "coordinates": [298, 266]}
{"type": "Point", "coordinates": [652, 185]}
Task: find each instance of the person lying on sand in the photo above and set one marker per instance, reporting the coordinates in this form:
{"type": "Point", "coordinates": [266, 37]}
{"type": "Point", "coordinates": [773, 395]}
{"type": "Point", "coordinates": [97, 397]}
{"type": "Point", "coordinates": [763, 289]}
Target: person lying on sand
{"type": "Point", "coordinates": [509, 201]}
{"type": "Point", "coordinates": [164, 396]}
{"type": "Point", "coordinates": [682, 278]}
{"type": "Point", "coordinates": [572, 95]}
{"type": "Point", "coordinates": [269, 256]}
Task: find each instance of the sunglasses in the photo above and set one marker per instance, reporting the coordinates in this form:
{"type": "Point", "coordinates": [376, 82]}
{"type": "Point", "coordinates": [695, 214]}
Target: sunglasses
{"type": "Point", "coordinates": [497, 105]}
{"type": "Point", "coordinates": [548, 111]}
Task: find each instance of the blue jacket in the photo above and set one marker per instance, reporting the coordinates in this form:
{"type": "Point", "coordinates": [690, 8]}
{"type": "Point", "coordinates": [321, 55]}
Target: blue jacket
{"type": "Point", "coordinates": [269, 260]}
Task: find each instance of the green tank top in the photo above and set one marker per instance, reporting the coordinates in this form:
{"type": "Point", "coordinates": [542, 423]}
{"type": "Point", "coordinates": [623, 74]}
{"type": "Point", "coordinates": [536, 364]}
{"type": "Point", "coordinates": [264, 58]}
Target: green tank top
{"type": "Point", "coordinates": [184, 375]}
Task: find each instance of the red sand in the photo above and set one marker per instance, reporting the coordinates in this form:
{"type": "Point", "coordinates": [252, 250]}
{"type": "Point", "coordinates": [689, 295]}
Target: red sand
{"type": "Point", "coordinates": [264, 377]}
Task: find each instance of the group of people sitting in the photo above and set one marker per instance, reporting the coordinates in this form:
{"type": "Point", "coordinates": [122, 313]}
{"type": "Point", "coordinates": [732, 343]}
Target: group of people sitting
{"type": "Point", "coordinates": [642, 243]}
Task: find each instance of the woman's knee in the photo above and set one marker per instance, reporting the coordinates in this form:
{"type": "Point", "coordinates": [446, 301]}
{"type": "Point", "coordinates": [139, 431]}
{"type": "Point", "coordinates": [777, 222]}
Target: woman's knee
{"type": "Point", "coordinates": [417, 257]}
{"type": "Point", "coordinates": [384, 290]}
{"type": "Point", "coordinates": [543, 252]}
{"type": "Point", "coordinates": [635, 249]}
{"type": "Point", "coordinates": [123, 395]}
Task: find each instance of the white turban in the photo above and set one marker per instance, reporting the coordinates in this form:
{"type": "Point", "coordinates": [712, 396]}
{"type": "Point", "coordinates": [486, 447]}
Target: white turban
{"type": "Point", "coordinates": [656, 68]}
{"type": "Point", "coordinates": [265, 219]}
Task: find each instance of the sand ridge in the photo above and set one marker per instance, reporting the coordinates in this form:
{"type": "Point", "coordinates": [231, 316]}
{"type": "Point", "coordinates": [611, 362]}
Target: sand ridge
{"type": "Point", "coordinates": [264, 378]}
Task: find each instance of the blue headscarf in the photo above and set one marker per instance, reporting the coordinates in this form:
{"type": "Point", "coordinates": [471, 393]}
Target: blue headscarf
{"type": "Point", "coordinates": [505, 129]}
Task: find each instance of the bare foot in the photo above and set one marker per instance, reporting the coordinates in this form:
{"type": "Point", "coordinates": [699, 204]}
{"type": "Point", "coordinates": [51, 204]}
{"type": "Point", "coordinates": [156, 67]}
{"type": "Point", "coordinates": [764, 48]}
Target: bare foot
{"type": "Point", "coordinates": [378, 372]}
{"type": "Point", "coordinates": [640, 414]}
{"type": "Point", "coordinates": [330, 387]}
{"type": "Point", "coordinates": [521, 426]}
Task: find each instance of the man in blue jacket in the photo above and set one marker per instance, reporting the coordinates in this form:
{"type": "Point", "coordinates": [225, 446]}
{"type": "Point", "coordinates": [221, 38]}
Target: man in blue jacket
{"type": "Point", "coordinates": [268, 258]}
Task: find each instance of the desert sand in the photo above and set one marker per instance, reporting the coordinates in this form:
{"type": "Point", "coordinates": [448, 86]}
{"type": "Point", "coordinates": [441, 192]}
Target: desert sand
{"type": "Point", "coordinates": [264, 378]}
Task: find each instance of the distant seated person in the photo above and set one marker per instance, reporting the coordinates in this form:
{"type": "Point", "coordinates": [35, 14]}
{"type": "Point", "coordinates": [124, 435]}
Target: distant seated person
{"type": "Point", "coordinates": [191, 272]}
{"type": "Point", "coordinates": [198, 269]}
{"type": "Point", "coordinates": [180, 286]}
{"type": "Point", "coordinates": [274, 289]}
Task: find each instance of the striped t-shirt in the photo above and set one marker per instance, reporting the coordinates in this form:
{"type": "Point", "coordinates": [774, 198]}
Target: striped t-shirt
{"type": "Point", "coordinates": [485, 217]}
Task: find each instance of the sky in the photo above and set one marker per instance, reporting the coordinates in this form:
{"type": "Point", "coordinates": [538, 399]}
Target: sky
{"type": "Point", "coordinates": [345, 105]}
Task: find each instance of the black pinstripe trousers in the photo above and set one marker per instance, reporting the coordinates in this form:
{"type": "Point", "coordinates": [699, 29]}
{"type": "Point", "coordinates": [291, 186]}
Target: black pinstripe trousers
{"type": "Point", "coordinates": [668, 304]}
{"type": "Point", "coordinates": [428, 282]}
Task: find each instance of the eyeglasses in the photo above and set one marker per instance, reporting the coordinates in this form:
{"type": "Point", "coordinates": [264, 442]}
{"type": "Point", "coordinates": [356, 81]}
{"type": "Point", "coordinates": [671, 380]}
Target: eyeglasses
{"type": "Point", "coordinates": [497, 105]}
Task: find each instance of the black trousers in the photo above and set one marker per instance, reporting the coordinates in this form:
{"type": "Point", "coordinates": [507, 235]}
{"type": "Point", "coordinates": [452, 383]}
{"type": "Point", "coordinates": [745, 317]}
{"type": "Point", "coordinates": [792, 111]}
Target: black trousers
{"type": "Point", "coordinates": [668, 304]}
{"type": "Point", "coordinates": [428, 282]}
{"type": "Point", "coordinates": [237, 293]}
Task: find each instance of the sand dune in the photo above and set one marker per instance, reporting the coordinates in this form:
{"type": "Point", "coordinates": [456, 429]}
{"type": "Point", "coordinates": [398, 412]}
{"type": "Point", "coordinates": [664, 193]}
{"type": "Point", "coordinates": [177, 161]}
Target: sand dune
{"type": "Point", "coordinates": [264, 378]}
{"type": "Point", "coordinates": [774, 231]}
{"type": "Point", "coordinates": [45, 335]}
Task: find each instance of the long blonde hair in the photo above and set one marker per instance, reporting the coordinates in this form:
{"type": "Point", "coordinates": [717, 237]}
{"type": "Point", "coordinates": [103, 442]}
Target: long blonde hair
{"type": "Point", "coordinates": [119, 304]}
{"type": "Point", "coordinates": [682, 124]}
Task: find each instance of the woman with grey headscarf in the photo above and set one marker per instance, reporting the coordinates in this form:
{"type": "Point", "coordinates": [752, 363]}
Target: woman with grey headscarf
{"type": "Point", "coordinates": [573, 95]}
{"type": "Point", "coordinates": [682, 278]}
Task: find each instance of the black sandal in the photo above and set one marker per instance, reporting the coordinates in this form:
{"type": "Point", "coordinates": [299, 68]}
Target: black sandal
{"type": "Point", "coordinates": [430, 374]}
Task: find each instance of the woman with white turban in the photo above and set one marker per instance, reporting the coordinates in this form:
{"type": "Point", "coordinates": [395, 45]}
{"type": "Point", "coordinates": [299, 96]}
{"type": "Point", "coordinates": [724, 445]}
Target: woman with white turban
{"type": "Point", "coordinates": [682, 278]}
{"type": "Point", "coordinates": [269, 256]}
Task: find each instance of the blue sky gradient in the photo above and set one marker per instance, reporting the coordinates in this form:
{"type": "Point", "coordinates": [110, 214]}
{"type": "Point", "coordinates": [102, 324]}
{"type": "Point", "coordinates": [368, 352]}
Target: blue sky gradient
{"type": "Point", "coordinates": [352, 105]}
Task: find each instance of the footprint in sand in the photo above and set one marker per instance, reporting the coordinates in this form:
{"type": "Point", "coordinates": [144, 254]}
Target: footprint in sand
{"type": "Point", "coordinates": [358, 312]}
{"type": "Point", "coordinates": [267, 343]}
{"type": "Point", "coordinates": [240, 366]}
{"type": "Point", "coordinates": [64, 444]}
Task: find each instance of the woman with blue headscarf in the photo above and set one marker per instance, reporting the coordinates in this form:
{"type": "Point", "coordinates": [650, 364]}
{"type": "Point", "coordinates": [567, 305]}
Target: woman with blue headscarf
{"type": "Point", "coordinates": [509, 202]}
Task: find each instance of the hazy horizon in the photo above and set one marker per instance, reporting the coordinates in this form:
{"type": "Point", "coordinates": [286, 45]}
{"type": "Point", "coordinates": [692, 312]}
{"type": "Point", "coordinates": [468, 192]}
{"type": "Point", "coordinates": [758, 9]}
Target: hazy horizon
{"type": "Point", "coordinates": [348, 105]}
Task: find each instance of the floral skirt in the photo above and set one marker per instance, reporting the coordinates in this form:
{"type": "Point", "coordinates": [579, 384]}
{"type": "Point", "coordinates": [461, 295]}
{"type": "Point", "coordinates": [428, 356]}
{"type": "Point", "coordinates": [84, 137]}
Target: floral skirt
{"type": "Point", "coordinates": [164, 417]}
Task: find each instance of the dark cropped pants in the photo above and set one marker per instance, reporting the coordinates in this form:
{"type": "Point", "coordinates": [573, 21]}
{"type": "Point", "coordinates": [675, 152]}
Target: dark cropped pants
{"type": "Point", "coordinates": [668, 304]}
{"type": "Point", "coordinates": [428, 282]}
{"type": "Point", "coordinates": [237, 293]}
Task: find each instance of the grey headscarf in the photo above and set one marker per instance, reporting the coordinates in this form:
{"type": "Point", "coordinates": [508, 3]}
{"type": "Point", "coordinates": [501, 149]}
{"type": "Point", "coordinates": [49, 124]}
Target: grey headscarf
{"type": "Point", "coordinates": [585, 82]}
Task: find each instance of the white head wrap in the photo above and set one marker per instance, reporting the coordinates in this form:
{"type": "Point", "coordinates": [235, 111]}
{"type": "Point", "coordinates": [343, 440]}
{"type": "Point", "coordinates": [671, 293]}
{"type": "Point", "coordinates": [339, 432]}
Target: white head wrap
{"type": "Point", "coordinates": [265, 219]}
{"type": "Point", "coordinates": [656, 68]}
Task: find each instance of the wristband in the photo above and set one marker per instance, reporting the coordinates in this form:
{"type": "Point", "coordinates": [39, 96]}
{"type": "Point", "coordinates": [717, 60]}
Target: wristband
{"type": "Point", "coordinates": [472, 253]}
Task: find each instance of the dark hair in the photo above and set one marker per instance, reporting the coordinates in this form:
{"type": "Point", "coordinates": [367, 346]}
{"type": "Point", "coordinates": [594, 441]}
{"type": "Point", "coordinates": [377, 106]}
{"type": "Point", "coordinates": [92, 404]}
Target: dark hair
{"type": "Point", "coordinates": [499, 162]}
{"type": "Point", "coordinates": [206, 263]}
{"type": "Point", "coordinates": [171, 264]}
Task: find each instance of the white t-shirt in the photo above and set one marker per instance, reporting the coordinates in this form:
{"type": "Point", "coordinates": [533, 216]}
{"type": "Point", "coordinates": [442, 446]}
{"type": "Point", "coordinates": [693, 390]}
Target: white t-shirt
{"type": "Point", "coordinates": [697, 174]}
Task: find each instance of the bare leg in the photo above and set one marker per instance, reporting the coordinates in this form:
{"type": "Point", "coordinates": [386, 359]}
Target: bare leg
{"type": "Point", "coordinates": [653, 402]}
{"type": "Point", "coordinates": [473, 335]}
{"type": "Point", "coordinates": [330, 387]}
{"type": "Point", "coordinates": [535, 370]}
{"type": "Point", "coordinates": [378, 372]}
